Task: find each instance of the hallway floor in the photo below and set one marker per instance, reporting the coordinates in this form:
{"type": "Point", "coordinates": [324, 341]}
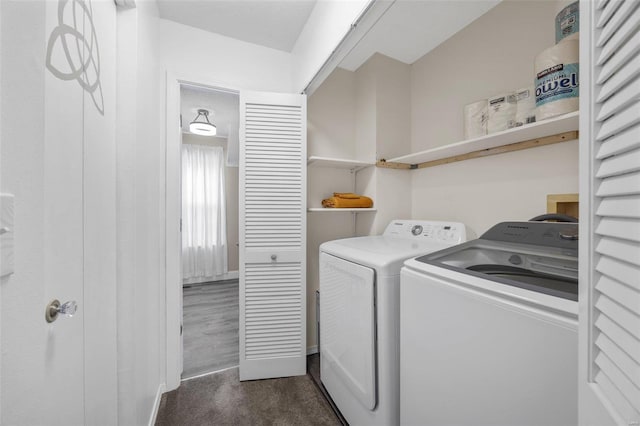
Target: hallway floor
{"type": "Point", "coordinates": [221, 399]}
{"type": "Point", "coordinates": [210, 327]}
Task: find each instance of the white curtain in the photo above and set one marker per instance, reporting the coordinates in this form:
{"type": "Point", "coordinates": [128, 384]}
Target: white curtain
{"type": "Point", "coordinates": [204, 221]}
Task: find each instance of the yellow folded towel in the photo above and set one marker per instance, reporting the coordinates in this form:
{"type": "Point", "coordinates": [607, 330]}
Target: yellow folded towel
{"type": "Point", "coordinates": [347, 195]}
{"type": "Point", "coordinates": [347, 200]}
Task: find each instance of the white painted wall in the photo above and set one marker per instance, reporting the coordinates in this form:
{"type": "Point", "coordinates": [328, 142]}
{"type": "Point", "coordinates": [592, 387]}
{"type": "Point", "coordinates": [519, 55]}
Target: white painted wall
{"type": "Point", "coordinates": [483, 192]}
{"type": "Point", "coordinates": [493, 54]}
{"type": "Point", "coordinates": [392, 114]}
{"type": "Point", "coordinates": [149, 292]}
{"type": "Point", "coordinates": [126, 111]}
{"type": "Point", "coordinates": [393, 107]}
{"type": "Point", "coordinates": [328, 23]}
{"type": "Point", "coordinates": [383, 131]}
{"type": "Point", "coordinates": [140, 212]}
{"type": "Point", "coordinates": [331, 114]}
{"type": "Point", "coordinates": [366, 105]}
{"type": "Point", "coordinates": [232, 180]}
{"type": "Point", "coordinates": [232, 63]}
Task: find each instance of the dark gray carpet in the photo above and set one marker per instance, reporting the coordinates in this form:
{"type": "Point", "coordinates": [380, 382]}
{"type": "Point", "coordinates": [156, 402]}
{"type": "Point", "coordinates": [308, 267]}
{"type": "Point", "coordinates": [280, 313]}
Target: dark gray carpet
{"type": "Point", "coordinates": [210, 327]}
{"type": "Point", "coordinates": [313, 367]}
{"type": "Point", "coordinates": [221, 399]}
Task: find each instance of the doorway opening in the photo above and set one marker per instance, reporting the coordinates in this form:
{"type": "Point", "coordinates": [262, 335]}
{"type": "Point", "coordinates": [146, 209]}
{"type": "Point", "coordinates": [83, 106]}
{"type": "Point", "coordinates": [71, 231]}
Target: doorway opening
{"type": "Point", "coordinates": [209, 224]}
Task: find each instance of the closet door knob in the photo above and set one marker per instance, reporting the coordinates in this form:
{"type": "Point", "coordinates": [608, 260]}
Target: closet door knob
{"type": "Point", "coordinates": [274, 257]}
{"type": "Point", "coordinates": [55, 309]}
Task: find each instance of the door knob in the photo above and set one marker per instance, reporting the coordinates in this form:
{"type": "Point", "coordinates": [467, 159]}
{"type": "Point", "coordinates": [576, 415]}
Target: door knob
{"type": "Point", "coordinates": [274, 257]}
{"type": "Point", "coordinates": [54, 309]}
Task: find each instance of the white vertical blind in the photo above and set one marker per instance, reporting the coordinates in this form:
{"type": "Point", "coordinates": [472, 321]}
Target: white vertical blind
{"type": "Point", "coordinates": [273, 228]}
{"type": "Point", "coordinates": [615, 295]}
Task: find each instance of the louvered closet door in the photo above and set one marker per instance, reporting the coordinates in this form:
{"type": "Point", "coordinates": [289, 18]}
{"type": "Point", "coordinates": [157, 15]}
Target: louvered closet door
{"type": "Point", "coordinates": [272, 235]}
{"type": "Point", "coordinates": [610, 186]}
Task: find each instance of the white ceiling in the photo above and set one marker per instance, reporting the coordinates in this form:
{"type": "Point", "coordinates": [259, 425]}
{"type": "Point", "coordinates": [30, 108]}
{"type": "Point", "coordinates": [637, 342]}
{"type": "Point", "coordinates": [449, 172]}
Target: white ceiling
{"type": "Point", "coordinates": [411, 28]}
{"type": "Point", "coordinates": [408, 30]}
{"type": "Point", "coordinates": [270, 23]}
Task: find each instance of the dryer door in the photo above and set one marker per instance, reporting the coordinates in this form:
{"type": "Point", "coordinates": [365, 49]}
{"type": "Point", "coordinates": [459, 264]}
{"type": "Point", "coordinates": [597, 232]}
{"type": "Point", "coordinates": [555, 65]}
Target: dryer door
{"type": "Point", "coordinates": [348, 329]}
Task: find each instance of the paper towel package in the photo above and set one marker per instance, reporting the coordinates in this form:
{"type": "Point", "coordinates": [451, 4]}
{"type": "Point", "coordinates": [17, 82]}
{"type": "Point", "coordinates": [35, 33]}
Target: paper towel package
{"type": "Point", "coordinates": [502, 112]}
{"type": "Point", "coordinates": [557, 80]}
{"type": "Point", "coordinates": [525, 106]}
{"type": "Point", "coordinates": [475, 119]}
{"type": "Point", "coordinates": [568, 21]}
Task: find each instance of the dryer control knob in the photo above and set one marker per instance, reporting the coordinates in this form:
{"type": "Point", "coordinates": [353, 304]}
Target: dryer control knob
{"type": "Point", "coordinates": [416, 230]}
{"type": "Point", "coordinates": [569, 234]}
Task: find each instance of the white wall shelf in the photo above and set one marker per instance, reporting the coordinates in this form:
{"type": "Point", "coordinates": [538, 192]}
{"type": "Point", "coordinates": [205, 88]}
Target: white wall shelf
{"type": "Point", "coordinates": [554, 130]}
{"type": "Point", "coordinates": [337, 163]}
{"type": "Point", "coordinates": [336, 210]}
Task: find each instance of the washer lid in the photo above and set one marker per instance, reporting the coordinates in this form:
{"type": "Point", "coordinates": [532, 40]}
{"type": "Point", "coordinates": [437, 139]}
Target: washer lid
{"type": "Point", "coordinates": [383, 253]}
{"type": "Point", "coordinates": [549, 270]}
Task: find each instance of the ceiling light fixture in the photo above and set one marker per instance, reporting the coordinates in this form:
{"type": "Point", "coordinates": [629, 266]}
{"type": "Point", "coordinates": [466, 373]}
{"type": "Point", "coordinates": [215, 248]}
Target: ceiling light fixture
{"type": "Point", "coordinates": [202, 126]}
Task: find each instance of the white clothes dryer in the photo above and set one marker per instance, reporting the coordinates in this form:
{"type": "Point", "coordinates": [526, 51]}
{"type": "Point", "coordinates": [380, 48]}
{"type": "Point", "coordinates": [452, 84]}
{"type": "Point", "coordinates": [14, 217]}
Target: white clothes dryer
{"type": "Point", "coordinates": [359, 315]}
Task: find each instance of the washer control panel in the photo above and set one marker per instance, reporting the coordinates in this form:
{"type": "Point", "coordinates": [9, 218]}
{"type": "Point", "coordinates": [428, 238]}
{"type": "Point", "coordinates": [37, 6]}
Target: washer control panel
{"type": "Point", "coordinates": [447, 232]}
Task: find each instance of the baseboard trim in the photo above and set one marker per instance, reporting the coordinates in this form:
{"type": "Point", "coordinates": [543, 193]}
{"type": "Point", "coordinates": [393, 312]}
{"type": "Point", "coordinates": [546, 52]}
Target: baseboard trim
{"type": "Point", "coordinates": [209, 373]}
{"type": "Point", "coordinates": [231, 275]}
{"type": "Point", "coordinates": [156, 404]}
{"type": "Point", "coordinates": [312, 350]}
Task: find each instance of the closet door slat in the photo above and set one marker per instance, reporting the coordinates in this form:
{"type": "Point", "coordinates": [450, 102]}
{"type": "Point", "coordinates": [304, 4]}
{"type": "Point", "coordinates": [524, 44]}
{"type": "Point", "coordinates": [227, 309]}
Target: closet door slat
{"type": "Point", "coordinates": [612, 296]}
{"type": "Point", "coordinates": [620, 142]}
{"type": "Point", "coordinates": [607, 12]}
{"type": "Point", "coordinates": [619, 36]}
{"type": "Point", "coordinates": [618, 18]}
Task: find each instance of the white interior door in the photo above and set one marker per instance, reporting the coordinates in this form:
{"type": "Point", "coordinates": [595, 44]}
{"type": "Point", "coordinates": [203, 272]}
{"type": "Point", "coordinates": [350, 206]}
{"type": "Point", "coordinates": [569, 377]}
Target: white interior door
{"type": "Point", "coordinates": [59, 162]}
{"type": "Point", "coordinates": [80, 203]}
{"type": "Point", "coordinates": [609, 380]}
{"type": "Point", "coordinates": [272, 235]}
{"type": "Point", "coordinates": [63, 233]}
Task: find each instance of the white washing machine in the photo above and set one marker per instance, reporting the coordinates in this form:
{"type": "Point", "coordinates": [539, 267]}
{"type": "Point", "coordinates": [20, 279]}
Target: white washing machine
{"type": "Point", "coordinates": [489, 330]}
{"type": "Point", "coordinates": [359, 315]}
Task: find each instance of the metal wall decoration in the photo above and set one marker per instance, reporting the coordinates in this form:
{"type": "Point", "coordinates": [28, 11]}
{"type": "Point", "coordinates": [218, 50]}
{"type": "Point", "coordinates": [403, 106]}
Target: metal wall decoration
{"type": "Point", "coordinates": [76, 37]}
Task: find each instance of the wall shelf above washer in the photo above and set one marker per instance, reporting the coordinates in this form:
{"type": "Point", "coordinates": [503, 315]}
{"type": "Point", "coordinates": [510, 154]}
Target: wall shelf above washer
{"type": "Point", "coordinates": [337, 163]}
{"type": "Point", "coordinates": [558, 129]}
{"type": "Point", "coordinates": [334, 210]}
